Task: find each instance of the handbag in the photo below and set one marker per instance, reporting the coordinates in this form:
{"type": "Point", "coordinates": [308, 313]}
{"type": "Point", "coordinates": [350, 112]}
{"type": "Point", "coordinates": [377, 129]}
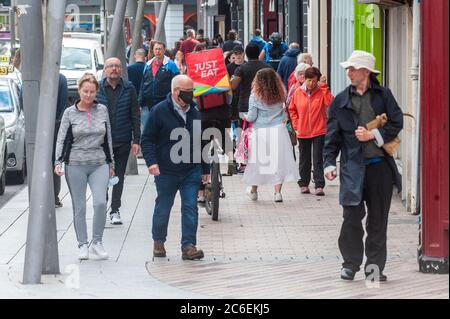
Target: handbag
{"type": "Point", "coordinates": [392, 147]}
{"type": "Point", "coordinates": [241, 154]}
{"type": "Point", "coordinates": [292, 134]}
{"type": "Point", "coordinates": [291, 130]}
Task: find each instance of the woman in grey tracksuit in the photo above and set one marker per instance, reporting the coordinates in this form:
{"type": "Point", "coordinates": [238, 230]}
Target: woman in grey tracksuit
{"type": "Point", "coordinates": [84, 146]}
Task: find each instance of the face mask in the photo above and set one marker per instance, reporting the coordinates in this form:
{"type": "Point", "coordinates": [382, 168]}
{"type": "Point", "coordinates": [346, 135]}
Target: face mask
{"type": "Point", "coordinates": [186, 96]}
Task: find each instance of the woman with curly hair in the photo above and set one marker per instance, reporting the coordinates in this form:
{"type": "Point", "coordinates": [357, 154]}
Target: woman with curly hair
{"type": "Point", "coordinates": [271, 161]}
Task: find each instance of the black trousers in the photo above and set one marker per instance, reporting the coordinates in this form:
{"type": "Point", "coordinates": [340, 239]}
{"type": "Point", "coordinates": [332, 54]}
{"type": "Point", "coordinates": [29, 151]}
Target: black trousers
{"type": "Point", "coordinates": [226, 142]}
{"type": "Point", "coordinates": [121, 153]}
{"type": "Point", "coordinates": [305, 145]}
{"type": "Point", "coordinates": [56, 186]}
{"type": "Point", "coordinates": [56, 178]}
{"type": "Point", "coordinates": [378, 188]}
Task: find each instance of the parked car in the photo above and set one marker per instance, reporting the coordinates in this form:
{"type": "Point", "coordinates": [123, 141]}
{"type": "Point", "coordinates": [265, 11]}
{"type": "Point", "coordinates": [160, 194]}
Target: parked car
{"type": "Point", "coordinates": [14, 122]}
{"type": "Point", "coordinates": [78, 56]}
{"type": "Point", "coordinates": [2, 156]}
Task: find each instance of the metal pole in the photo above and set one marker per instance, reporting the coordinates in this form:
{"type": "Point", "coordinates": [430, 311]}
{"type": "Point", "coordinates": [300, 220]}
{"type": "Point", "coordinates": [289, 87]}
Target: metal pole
{"type": "Point", "coordinates": [52, 53]}
{"type": "Point", "coordinates": [160, 24]}
{"type": "Point", "coordinates": [137, 38]}
{"type": "Point", "coordinates": [415, 66]}
{"type": "Point", "coordinates": [200, 14]}
{"type": "Point", "coordinates": [12, 26]}
{"type": "Point", "coordinates": [109, 15]}
{"type": "Point", "coordinates": [130, 12]}
{"type": "Point", "coordinates": [132, 168]}
{"type": "Point", "coordinates": [117, 29]}
{"type": "Point", "coordinates": [32, 46]}
{"type": "Point", "coordinates": [103, 26]}
{"type": "Point", "coordinates": [42, 208]}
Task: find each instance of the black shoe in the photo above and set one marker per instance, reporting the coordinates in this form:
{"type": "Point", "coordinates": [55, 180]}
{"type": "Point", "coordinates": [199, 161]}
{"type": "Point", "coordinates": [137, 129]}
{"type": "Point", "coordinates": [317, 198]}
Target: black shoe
{"type": "Point", "coordinates": [347, 274]}
{"type": "Point", "coordinates": [114, 218]}
{"type": "Point", "coordinates": [380, 278]}
{"type": "Point", "coordinates": [232, 170]}
{"type": "Point", "coordinates": [241, 169]}
{"type": "Point", "coordinates": [58, 203]}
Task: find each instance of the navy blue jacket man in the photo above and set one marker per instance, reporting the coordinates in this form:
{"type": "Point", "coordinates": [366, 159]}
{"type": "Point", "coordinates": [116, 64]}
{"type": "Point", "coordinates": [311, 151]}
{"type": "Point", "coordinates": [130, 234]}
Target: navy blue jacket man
{"type": "Point", "coordinates": [124, 114]}
{"type": "Point", "coordinates": [367, 172]}
{"type": "Point", "coordinates": [172, 147]}
{"type": "Point", "coordinates": [136, 70]}
{"type": "Point", "coordinates": [288, 63]}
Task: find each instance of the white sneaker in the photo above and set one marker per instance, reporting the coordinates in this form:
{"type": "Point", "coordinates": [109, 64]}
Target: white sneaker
{"type": "Point", "coordinates": [99, 251]}
{"type": "Point", "coordinates": [115, 218]}
{"type": "Point", "coordinates": [84, 252]}
{"type": "Point", "coordinates": [278, 198]}
{"type": "Point", "coordinates": [252, 196]}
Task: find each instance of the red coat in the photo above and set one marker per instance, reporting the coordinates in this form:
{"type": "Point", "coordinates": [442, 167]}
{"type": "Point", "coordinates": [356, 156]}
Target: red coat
{"type": "Point", "coordinates": [292, 81]}
{"type": "Point", "coordinates": [309, 113]}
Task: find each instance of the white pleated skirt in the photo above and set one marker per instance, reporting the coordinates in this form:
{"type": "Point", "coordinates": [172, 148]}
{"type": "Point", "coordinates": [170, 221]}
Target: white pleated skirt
{"type": "Point", "coordinates": [271, 158]}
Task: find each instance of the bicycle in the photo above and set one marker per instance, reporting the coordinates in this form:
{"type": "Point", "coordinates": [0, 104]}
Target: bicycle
{"type": "Point", "coordinates": [214, 190]}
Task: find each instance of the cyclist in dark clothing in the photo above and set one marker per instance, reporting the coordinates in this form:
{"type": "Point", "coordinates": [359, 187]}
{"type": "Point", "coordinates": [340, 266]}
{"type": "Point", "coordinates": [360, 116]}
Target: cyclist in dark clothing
{"type": "Point", "coordinates": [238, 54]}
{"type": "Point", "coordinates": [274, 51]}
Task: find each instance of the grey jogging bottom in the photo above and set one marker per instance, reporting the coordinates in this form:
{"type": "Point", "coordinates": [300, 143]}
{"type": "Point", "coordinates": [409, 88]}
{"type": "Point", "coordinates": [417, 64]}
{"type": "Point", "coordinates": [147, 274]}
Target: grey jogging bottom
{"type": "Point", "coordinates": [78, 177]}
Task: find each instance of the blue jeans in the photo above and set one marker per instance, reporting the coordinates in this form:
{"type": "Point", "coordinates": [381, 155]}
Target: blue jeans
{"type": "Point", "coordinates": [167, 187]}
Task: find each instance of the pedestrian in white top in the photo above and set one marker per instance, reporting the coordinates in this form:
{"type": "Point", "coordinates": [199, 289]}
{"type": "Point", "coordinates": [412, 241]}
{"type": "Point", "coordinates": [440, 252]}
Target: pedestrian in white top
{"type": "Point", "coordinates": [271, 161]}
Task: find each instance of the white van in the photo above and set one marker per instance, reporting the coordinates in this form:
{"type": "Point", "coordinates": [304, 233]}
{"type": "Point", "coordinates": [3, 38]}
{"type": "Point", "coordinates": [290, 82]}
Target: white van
{"type": "Point", "coordinates": [78, 56]}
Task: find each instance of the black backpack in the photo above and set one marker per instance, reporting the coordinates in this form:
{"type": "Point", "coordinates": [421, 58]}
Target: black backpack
{"type": "Point", "coordinates": [275, 53]}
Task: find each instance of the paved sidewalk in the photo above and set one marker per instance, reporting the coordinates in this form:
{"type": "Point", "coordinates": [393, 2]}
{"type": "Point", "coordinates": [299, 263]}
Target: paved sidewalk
{"type": "Point", "coordinates": [256, 250]}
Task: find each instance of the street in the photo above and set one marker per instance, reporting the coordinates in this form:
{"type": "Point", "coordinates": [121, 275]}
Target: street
{"type": "Point", "coordinates": [256, 250]}
{"type": "Point", "coordinates": [10, 191]}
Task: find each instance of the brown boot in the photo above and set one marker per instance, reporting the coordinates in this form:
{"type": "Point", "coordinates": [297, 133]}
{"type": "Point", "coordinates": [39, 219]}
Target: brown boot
{"type": "Point", "coordinates": [158, 249]}
{"type": "Point", "coordinates": [190, 252]}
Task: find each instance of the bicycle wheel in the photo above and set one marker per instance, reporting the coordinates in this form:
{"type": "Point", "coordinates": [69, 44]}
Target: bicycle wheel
{"type": "Point", "coordinates": [208, 196]}
{"type": "Point", "coordinates": [215, 190]}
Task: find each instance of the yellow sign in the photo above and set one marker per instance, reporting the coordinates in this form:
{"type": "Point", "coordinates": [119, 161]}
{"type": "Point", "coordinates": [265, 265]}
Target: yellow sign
{"type": "Point", "coordinates": [4, 58]}
{"type": "Point", "coordinates": [4, 70]}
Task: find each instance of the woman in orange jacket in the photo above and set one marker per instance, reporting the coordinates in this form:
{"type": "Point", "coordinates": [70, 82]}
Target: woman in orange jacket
{"type": "Point", "coordinates": [308, 112]}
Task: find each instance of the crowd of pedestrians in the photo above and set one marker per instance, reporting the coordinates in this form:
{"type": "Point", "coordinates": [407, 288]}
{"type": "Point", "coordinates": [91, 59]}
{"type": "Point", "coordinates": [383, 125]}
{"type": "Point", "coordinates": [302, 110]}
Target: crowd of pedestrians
{"type": "Point", "coordinates": [280, 99]}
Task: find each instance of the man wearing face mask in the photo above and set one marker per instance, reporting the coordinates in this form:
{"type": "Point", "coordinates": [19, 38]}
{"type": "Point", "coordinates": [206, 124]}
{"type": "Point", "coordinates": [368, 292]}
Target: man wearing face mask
{"type": "Point", "coordinates": [177, 164]}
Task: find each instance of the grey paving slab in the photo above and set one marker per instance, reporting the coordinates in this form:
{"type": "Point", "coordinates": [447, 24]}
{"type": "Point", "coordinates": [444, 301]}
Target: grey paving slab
{"type": "Point", "coordinates": [256, 250]}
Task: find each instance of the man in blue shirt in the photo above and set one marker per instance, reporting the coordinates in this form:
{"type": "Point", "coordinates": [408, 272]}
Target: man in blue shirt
{"type": "Point", "coordinates": [258, 40]}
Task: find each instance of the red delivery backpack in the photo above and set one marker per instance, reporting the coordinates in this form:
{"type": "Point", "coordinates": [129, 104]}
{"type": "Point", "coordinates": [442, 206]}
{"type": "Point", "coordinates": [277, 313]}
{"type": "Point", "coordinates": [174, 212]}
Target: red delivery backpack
{"type": "Point", "coordinates": [212, 101]}
{"type": "Point", "coordinates": [211, 82]}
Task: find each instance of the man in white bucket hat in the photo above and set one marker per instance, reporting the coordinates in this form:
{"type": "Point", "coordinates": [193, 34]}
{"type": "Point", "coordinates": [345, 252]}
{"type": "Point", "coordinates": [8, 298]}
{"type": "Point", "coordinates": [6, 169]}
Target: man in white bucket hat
{"type": "Point", "coordinates": [367, 172]}
{"type": "Point", "coordinates": [361, 60]}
